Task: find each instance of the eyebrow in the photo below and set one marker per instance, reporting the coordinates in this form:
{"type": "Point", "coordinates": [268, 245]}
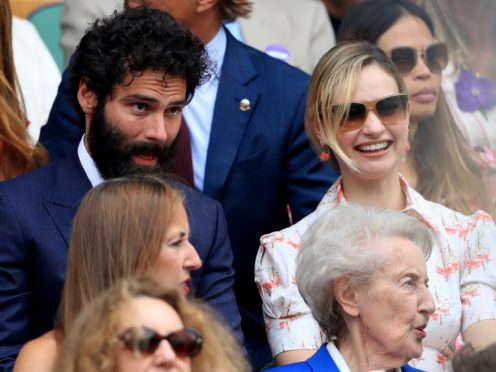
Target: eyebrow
{"type": "Point", "coordinates": [417, 277]}
{"type": "Point", "coordinates": [152, 100]}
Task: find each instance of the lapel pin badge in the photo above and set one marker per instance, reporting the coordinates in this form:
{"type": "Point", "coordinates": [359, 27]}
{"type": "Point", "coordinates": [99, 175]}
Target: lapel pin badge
{"type": "Point", "coordinates": [244, 105]}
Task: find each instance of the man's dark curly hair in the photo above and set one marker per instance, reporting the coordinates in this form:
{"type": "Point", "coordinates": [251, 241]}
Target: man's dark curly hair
{"type": "Point", "coordinates": [132, 41]}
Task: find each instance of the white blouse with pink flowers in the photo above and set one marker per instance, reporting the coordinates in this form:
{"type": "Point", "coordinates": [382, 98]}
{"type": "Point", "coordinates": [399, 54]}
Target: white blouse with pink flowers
{"type": "Point", "coordinates": [461, 269]}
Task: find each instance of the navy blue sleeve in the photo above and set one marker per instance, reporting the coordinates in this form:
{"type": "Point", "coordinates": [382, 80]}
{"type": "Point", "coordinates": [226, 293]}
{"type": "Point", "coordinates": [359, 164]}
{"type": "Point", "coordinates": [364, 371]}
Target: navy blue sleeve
{"type": "Point", "coordinates": [213, 282]}
{"type": "Point", "coordinates": [14, 287]}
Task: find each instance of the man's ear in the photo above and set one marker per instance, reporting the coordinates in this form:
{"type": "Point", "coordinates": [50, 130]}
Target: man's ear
{"type": "Point", "coordinates": [130, 4]}
{"type": "Point", "coordinates": [87, 98]}
{"type": "Point", "coordinates": [204, 5]}
{"type": "Point", "coordinates": [347, 296]}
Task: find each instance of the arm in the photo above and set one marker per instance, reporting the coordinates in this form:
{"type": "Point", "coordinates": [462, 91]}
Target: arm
{"type": "Point", "coordinates": [215, 279]}
{"type": "Point", "coordinates": [481, 334]}
{"type": "Point", "coordinates": [293, 356]}
{"type": "Point", "coordinates": [292, 331]}
{"type": "Point", "coordinates": [478, 283]}
{"type": "Point", "coordinates": [306, 177]}
{"type": "Point", "coordinates": [14, 287]}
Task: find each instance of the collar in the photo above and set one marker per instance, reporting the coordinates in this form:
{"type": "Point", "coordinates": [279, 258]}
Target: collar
{"type": "Point", "coordinates": [216, 50]}
{"type": "Point", "coordinates": [337, 357]}
{"type": "Point", "coordinates": [341, 363]}
{"type": "Point", "coordinates": [416, 205]}
{"type": "Point", "coordinates": [88, 164]}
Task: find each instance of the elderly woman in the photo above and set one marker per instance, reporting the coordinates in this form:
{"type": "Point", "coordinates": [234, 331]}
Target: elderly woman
{"type": "Point", "coordinates": [357, 117]}
{"type": "Point", "coordinates": [138, 326]}
{"type": "Point", "coordinates": [364, 277]}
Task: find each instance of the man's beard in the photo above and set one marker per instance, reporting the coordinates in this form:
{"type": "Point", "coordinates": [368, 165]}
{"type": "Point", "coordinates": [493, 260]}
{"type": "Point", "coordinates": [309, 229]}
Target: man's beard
{"type": "Point", "coordinates": [114, 158]}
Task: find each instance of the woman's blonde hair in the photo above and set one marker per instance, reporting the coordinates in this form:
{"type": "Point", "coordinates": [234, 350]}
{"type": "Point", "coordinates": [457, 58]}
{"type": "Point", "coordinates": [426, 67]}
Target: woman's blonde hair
{"type": "Point", "coordinates": [333, 82]}
{"type": "Point", "coordinates": [89, 344]}
{"type": "Point", "coordinates": [117, 232]}
{"type": "Point", "coordinates": [17, 153]}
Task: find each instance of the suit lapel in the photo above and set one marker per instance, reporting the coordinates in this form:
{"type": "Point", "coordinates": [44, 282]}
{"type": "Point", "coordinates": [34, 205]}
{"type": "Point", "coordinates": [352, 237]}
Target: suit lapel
{"type": "Point", "coordinates": [70, 184]}
{"type": "Point", "coordinates": [229, 121]}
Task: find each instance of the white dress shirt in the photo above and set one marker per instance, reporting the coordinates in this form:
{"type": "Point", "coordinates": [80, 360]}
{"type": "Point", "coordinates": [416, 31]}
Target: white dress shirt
{"type": "Point", "coordinates": [200, 111]}
{"type": "Point", "coordinates": [88, 164]}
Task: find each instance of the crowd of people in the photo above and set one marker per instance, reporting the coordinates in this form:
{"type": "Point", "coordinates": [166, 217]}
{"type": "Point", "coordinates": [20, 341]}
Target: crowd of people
{"type": "Point", "coordinates": [237, 185]}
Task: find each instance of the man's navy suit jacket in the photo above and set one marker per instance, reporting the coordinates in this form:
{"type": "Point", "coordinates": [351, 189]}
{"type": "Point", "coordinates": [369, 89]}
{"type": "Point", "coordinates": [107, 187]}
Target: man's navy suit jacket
{"type": "Point", "coordinates": [322, 361]}
{"type": "Point", "coordinates": [258, 161]}
{"type": "Point", "coordinates": [36, 212]}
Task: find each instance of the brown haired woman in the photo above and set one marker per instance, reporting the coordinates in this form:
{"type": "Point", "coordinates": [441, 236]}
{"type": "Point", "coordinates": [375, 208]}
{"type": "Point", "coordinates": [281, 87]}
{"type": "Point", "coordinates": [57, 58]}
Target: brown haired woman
{"type": "Point", "coordinates": [125, 227]}
{"type": "Point", "coordinates": [17, 153]}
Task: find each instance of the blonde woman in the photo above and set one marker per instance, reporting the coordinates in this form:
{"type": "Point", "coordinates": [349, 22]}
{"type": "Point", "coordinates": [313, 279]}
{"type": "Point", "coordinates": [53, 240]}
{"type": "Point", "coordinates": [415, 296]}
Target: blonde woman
{"type": "Point", "coordinates": [136, 326]}
{"type": "Point", "coordinates": [358, 113]}
{"type": "Point", "coordinates": [440, 163]}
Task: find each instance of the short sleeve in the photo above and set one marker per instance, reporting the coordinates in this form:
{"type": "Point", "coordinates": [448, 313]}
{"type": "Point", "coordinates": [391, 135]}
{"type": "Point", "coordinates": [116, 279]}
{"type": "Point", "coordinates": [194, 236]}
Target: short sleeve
{"type": "Point", "coordinates": [289, 322]}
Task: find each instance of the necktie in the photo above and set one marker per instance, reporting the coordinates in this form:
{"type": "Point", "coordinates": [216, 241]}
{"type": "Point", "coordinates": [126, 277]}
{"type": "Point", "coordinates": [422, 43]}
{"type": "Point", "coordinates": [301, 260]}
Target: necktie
{"type": "Point", "coordinates": [182, 165]}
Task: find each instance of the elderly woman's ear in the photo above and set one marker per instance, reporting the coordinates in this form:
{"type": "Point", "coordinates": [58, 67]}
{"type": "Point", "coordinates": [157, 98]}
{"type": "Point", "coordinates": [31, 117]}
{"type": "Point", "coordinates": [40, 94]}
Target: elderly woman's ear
{"type": "Point", "coordinates": [347, 295]}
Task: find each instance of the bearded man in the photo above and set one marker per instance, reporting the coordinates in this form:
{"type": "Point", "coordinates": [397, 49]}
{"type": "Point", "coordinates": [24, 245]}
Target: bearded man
{"type": "Point", "coordinates": [130, 80]}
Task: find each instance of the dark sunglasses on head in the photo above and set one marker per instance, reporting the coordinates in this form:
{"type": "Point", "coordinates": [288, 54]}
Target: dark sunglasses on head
{"type": "Point", "coordinates": [185, 343]}
{"type": "Point", "coordinates": [435, 57]}
{"type": "Point", "coordinates": [390, 110]}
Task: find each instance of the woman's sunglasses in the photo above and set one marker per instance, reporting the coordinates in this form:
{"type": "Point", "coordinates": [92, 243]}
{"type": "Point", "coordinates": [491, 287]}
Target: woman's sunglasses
{"type": "Point", "coordinates": [185, 343]}
{"type": "Point", "coordinates": [435, 57]}
{"type": "Point", "coordinates": [390, 110]}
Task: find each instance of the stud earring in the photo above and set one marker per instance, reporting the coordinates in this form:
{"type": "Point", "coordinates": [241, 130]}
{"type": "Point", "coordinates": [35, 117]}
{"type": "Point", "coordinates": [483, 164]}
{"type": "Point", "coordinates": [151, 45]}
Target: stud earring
{"type": "Point", "coordinates": [408, 147]}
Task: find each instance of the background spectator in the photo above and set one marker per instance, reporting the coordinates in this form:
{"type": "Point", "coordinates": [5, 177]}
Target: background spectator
{"type": "Point", "coordinates": [119, 332]}
{"type": "Point", "coordinates": [17, 153]}
{"type": "Point", "coordinates": [469, 30]}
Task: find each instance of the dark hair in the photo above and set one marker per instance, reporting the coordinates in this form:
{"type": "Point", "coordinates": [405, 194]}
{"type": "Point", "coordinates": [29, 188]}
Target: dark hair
{"type": "Point", "coordinates": [369, 20]}
{"type": "Point", "coordinates": [132, 41]}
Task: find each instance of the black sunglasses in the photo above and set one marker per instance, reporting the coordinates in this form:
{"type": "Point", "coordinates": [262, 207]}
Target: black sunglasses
{"type": "Point", "coordinates": [390, 110]}
{"type": "Point", "coordinates": [185, 343]}
{"type": "Point", "coordinates": [435, 57]}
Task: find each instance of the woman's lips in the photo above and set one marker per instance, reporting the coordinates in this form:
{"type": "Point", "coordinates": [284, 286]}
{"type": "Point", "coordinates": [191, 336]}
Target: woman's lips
{"type": "Point", "coordinates": [424, 96]}
{"type": "Point", "coordinates": [185, 286]}
{"type": "Point", "coordinates": [420, 331]}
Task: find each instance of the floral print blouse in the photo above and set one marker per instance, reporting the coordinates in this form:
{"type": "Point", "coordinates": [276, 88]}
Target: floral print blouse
{"type": "Point", "coordinates": [461, 269]}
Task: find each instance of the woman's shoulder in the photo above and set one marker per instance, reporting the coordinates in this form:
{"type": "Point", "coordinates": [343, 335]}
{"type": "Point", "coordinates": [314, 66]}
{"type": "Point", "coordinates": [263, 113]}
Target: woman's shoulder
{"type": "Point", "coordinates": [38, 354]}
{"type": "Point", "coordinates": [290, 235]}
{"type": "Point", "coordinates": [432, 211]}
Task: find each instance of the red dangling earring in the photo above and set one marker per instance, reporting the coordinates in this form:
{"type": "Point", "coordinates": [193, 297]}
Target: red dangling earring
{"type": "Point", "coordinates": [324, 154]}
{"type": "Point", "coordinates": [408, 146]}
